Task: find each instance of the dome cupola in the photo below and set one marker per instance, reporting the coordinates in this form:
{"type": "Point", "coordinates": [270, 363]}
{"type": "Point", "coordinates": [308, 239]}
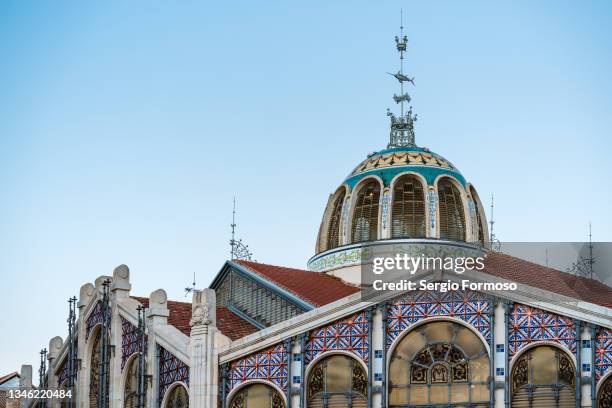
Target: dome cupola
{"type": "Point", "coordinates": [403, 193]}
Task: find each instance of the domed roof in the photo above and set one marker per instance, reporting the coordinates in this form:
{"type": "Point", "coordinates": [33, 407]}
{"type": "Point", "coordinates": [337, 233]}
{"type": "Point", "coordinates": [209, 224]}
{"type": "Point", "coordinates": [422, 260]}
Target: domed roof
{"type": "Point", "coordinates": [390, 162]}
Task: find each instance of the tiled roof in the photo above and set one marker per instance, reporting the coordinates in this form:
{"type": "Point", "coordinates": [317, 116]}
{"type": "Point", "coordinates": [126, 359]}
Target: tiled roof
{"type": "Point", "coordinates": [7, 377]}
{"type": "Point", "coordinates": [316, 288]}
{"type": "Point", "coordinates": [229, 323]}
{"type": "Point", "coordinates": [531, 274]}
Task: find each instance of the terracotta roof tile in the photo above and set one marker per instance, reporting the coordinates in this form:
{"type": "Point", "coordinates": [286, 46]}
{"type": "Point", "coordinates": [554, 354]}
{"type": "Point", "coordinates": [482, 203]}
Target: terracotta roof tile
{"type": "Point", "coordinates": [313, 287]}
{"type": "Point", "coordinates": [531, 274]}
{"type": "Point", "coordinates": [230, 324]}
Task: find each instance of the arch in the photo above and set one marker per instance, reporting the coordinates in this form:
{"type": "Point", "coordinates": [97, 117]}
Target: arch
{"type": "Point", "coordinates": [130, 381]}
{"type": "Point", "coordinates": [451, 209]}
{"type": "Point", "coordinates": [408, 215]}
{"type": "Point", "coordinates": [439, 361]}
{"type": "Point", "coordinates": [256, 394]}
{"type": "Point", "coordinates": [365, 210]}
{"type": "Point", "coordinates": [481, 233]}
{"type": "Point", "coordinates": [334, 221]}
{"type": "Point", "coordinates": [604, 391]}
{"type": "Point", "coordinates": [94, 360]}
{"type": "Point", "coordinates": [337, 380]}
{"type": "Point", "coordinates": [177, 396]}
{"type": "Point", "coordinates": [543, 374]}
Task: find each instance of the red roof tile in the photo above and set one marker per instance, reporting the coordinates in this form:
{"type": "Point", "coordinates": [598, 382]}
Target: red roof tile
{"type": "Point", "coordinates": [531, 274]}
{"type": "Point", "coordinates": [230, 324]}
{"type": "Point", "coordinates": [316, 288]}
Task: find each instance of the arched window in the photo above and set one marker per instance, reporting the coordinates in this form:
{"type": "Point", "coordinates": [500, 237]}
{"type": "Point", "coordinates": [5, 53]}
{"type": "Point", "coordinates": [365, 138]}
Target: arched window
{"type": "Point", "coordinates": [452, 217]}
{"type": "Point", "coordinates": [479, 218]}
{"type": "Point", "coordinates": [257, 395]}
{"type": "Point", "coordinates": [178, 398]}
{"type": "Point", "coordinates": [408, 211]}
{"type": "Point", "coordinates": [95, 371]}
{"type": "Point", "coordinates": [441, 363]}
{"type": "Point", "coordinates": [604, 398]}
{"type": "Point", "coordinates": [130, 389]}
{"type": "Point", "coordinates": [333, 230]}
{"type": "Point", "coordinates": [365, 214]}
{"type": "Point", "coordinates": [543, 377]}
{"type": "Point", "coordinates": [337, 381]}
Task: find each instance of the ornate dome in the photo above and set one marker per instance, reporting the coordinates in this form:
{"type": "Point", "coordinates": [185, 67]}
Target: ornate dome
{"type": "Point", "coordinates": [404, 194]}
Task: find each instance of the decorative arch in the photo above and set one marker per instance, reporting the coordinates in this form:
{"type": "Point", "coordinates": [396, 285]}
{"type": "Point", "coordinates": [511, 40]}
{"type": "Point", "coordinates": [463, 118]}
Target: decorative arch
{"type": "Point", "coordinates": [543, 375]}
{"type": "Point", "coordinates": [130, 382]}
{"type": "Point", "coordinates": [481, 233]}
{"type": "Point", "coordinates": [255, 394]}
{"type": "Point", "coordinates": [365, 212]}
{"type": "Point", "coordinates": [95, 364]}
{"type": "Point", "coordinates": [604, 392]}
{"type": "Point", "coordinates": [451, 209]}
{"type": "Point", "coordinates": [337, 380]}
{"type": "Point", "coordinates": [332, 235]}
{"type": "Point", "coordinates": [441, 362]}
{"type": "Point", "coordinates": [408, 215]}
{"type": "Point", "coordinates": [177, 396]}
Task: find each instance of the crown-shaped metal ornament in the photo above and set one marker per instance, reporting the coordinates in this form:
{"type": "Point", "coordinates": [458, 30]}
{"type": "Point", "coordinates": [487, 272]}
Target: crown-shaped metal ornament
{"type": "Point", "coordinates": [402, 126]}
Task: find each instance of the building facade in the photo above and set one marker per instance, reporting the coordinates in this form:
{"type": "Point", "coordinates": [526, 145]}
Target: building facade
{"type": "Point", "coordinates": [271, 336]}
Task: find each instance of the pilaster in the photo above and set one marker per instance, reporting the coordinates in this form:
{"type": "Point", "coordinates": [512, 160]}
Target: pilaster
{"type": "Point", "coordinates": [203, 371]}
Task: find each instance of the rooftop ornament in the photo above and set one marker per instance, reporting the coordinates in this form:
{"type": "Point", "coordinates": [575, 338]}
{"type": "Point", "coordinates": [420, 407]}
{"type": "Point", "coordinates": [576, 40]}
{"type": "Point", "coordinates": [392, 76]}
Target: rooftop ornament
{"type": "Point", "coordinates": [402, 126]}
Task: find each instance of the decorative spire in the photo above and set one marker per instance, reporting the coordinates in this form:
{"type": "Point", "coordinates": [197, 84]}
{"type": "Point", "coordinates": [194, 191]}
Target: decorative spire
{"type": "Point", "coordinates": [239, 251]}
{"type": "Point", "coordinates": [402, 127]}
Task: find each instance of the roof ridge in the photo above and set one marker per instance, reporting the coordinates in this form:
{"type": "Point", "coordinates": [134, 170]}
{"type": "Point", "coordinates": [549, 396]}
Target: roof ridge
{"type": "Point", "coordinates": [501, 254]}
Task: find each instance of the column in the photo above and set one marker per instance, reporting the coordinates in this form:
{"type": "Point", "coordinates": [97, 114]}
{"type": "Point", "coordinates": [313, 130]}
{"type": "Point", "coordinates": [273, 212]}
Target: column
{"type": "Point", "coordinates": [120, 289]}
{"type": "Point", "coordinates": [377, 345]}
{"type": "Point", "coordinates": [500, 356]}
{"type": "Point", "coordinates": [203, 371]}
{"type": "Point", "coordinates": [55, 346]}
{"type": "Point", "coordinates": [157, 315]}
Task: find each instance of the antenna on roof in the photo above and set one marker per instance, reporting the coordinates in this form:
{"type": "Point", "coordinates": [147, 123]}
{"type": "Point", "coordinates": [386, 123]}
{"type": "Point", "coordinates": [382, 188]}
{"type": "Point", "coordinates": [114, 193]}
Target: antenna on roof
{"type": "Point", "coordinates": [239, 251]}
{"type": "Point", "coordinates": [584, 266]}
{"type": "Point", "coordinates": [192, 288]}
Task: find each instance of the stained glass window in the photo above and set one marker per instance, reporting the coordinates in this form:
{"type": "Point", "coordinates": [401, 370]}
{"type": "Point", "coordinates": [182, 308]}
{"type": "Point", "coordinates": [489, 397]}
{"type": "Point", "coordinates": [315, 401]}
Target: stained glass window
{"type": "Point", "coordinates": [257, 395]}
{"type": "Point", "coordinates": [543, 376]}
{"type": "Point", "coordinates": [604, 398]}
{"type": "Point", "coordinates": [333, 231]}
{"type": "Point", "coordinates": [130, 392]}
{"type": "Point", "coordinates": [365, 214]}
{"type": "Point", "coordinates": [452, 217]}
{"type": "Point", "coordinates": [95, 371]}
{"type": "Point", "coordinates": [178, 398]}
{"type": "Point", "coordinates": [408, 211]}
{"type": "Point", "coordinates": [337, 381]}
{"type": "Point", "coordinates": [439, 363]}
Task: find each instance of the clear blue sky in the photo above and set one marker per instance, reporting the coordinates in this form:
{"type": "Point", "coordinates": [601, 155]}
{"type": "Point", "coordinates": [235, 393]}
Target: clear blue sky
{"type": "Point", "coordinates": [127, 127]}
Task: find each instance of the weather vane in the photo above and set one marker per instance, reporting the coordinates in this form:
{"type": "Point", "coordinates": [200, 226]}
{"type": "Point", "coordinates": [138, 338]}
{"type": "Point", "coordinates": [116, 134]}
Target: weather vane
{"type": "Point", "coordinates": [402, 127]}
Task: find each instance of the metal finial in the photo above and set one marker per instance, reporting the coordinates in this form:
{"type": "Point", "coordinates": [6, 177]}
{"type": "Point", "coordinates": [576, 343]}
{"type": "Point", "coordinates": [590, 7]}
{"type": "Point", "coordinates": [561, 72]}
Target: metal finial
{"type": "Point", "coordinates": [239, 250]}
{"type": "Point", "coordinates": [494, 243]}
{"type": "Point", "coordinates": [402, 127]}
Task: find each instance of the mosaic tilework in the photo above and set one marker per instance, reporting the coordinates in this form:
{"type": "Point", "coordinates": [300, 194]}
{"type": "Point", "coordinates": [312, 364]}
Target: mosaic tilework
{"type": "Point", "coordinates": [471, 307]}
{"type": "Point", "coordinates": [129, 340]}
{"type": "Point", "coordinates": [348, 334]}
{"type": "Point", "coordinates": [95, 317]}
{"type": "Point", "coordinates": [270, 365]}
{"type": "Point", "coordinates": [171, 370]}
{"type": "Point", "coordinates": [603, 352]}
{"type": "Point", "coordinates": [527, 324]}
